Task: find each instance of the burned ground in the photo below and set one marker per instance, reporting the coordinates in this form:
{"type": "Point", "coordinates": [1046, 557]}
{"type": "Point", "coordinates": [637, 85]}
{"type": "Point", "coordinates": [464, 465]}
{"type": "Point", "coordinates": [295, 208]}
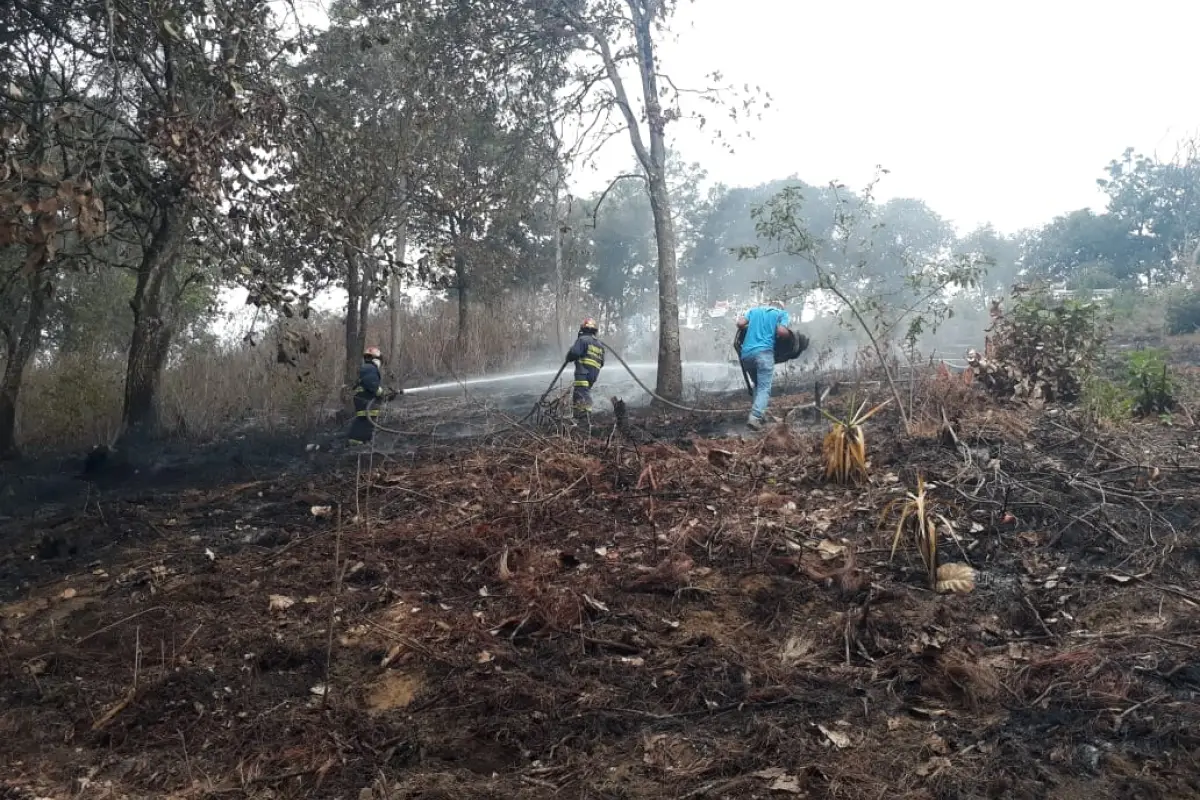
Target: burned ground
{"type": "Point", "coordinates": [536, 615]}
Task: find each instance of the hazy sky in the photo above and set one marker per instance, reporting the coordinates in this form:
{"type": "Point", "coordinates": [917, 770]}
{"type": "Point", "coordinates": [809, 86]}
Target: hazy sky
{"type": "Point", "coordinates": [1001, 112]}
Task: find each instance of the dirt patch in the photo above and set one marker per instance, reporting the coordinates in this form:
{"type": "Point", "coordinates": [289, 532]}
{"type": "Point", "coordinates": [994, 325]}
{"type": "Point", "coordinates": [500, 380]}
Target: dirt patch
{"type": "Point", "coordinates": [395, 690]}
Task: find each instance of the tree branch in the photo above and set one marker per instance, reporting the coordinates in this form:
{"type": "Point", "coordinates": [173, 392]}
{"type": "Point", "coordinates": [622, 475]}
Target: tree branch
{"type": "Point", "coordinates": [622, 97]}
{"type": "Point", "coordinates": [604, 194]}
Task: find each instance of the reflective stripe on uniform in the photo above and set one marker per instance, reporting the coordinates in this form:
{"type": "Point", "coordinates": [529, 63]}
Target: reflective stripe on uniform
{"type": "Point", "coordinates": [587, 362]}
{"type": "Point", "coordinates": [374, 412]}
{"type": "Point", "coordinates": [584, 384]}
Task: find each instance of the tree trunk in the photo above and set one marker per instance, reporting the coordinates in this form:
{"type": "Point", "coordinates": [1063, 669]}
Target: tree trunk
{"type": "Point", "coordinates": [152, 328]}
{"type": "Point", "coordinates": [147, 356]}
{"type": "Point", "coordinates": [395, 300]}
{"type": "Point", "coordinates": [460, 277]}
{"type": "Point", "coordinates": [354, 324]}
{"type": "Point", "coordinates": [670, 364]}
{"type": "Point", "coordinates": [653, 160]}
{"type": "Point", "coordinates": [557, 222]}
{"type": "Point", "coordinates": [395, 297]}
{"type": "Point", "coordinates": [20, 348]}
{"type": "Point", "coordinates": [370, 281]}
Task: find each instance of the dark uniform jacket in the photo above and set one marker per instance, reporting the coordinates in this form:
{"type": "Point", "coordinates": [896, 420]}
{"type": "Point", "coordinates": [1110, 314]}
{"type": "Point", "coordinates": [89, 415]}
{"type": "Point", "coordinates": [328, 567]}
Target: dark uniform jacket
{"type": "Point", "coordinates": [587, 351]}
{"type": "Point", "coordinates": [370, 382]}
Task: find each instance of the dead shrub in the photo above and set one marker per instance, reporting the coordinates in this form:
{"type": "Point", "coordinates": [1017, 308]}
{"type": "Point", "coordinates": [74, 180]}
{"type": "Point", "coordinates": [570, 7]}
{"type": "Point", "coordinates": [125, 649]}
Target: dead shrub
{"type": "Point", "coordinates": [71, 401]}
{"type": "Point", "coordinates": [943, 391]}
{"type": "Point", "coordinates": [208, 390]}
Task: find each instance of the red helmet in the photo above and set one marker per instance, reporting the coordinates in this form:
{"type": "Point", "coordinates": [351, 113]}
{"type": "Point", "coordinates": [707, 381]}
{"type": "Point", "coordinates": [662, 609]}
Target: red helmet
{"type": "Point", "coordinates": [589, 324]}
{"type": "Point", "coordinates": [373, 352]}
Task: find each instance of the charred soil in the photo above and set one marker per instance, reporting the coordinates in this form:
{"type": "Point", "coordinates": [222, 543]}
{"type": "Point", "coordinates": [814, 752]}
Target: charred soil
{"type": "Point", "coordinates": [644, 613]}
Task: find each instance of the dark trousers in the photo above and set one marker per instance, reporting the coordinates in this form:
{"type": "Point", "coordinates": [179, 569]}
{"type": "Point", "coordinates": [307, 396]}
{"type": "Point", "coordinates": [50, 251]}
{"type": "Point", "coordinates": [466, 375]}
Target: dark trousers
{"type": "Point", "coordinates": [366, 411]}
{"type": "Point", "coordinates": [581, 397]}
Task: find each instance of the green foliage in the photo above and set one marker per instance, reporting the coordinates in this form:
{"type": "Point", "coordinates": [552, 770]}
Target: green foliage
{"type": "Point", "coordinates": [1150, 381]}
{"type": "Point", "coordinates": [1078, 242]}
{"type": "Point", "coordinates": [1183, 312]}
{"type": "Point", "coordinates": [1001, 250]}
{"type": "Point", "coordinates": [1157, 203]}
{"type": "Point", "coordinates": [887, 306]}
{"type": "Point", "coordinates": [883, 306]}
{"type": "Point", "coordinates": [1105, 401]}
{"type": "Point", "coordinates": [1145, 236]}
{"type": "Point", "coordinates": [1044, 350]}
{"type": "Point", "coordinates": [623, 246]}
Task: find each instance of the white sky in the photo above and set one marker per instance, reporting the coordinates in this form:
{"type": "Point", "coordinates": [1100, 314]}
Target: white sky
{"type": "Point", "coordinates": [1005, 113]}
{"type": "Point", "coordinates": [1001, 112]}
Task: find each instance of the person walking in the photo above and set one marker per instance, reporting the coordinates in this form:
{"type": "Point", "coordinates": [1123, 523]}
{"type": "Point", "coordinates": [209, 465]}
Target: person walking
{"type": "Point", "coordinates": [369, 394]}
{"type": "Point", "coordinates": [762, 325]}
{"type": "Point", "coordinates": [588, 355]}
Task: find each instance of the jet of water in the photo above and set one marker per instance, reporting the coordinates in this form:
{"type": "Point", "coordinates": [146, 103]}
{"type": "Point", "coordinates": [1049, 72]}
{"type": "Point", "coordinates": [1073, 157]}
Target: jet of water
{"type": "Point", "coordinates": [704, 370]}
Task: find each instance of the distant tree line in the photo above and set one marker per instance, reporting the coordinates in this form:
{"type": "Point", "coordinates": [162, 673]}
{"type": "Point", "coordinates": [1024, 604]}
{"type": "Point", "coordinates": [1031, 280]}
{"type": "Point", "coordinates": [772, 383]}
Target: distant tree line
{"type": "Point", "coordinates": [153, 155]}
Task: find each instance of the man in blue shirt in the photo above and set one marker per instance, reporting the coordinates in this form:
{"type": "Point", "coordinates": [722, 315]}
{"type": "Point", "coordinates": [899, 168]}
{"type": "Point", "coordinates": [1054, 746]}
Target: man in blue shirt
{"type": "Point", "coordinates": [762, 324]}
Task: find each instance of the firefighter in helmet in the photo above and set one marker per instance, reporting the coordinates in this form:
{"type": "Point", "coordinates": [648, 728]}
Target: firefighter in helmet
{"type": "Point", "coordinates": [369, 394]}
{"type": "Point", "coordinates": [588, 355]}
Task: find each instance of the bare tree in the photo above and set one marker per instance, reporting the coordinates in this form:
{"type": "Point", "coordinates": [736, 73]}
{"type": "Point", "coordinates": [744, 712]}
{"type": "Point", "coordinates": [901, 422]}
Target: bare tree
{"type": "Point", "coordinates": [617, 32]}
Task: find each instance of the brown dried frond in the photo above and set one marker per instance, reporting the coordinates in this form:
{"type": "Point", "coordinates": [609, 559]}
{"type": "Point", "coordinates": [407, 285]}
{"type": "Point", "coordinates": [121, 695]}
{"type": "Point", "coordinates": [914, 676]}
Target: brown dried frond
{"type": "Point", "coordinates": [975, 682]}
{"type": "Point", "coordinates": [669, 575]}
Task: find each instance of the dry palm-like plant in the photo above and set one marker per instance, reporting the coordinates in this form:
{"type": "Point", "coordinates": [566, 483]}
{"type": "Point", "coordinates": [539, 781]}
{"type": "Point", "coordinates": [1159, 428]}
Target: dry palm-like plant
{"type": "Point", "coordinates": [919, 521]}
{"type": "Point", "coordinates": [845, 446]}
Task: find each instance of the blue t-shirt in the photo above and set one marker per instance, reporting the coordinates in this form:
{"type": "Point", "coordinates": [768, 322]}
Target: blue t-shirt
{"type": "Point", "coordinates": [760, 333]}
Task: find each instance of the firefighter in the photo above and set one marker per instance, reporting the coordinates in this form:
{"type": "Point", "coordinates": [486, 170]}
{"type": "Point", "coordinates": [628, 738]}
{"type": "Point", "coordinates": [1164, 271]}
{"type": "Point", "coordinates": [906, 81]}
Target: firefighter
{"type": "Point", "coordinates": [588, 355]}
{"type": "Point", "coordinates": [369, 394]}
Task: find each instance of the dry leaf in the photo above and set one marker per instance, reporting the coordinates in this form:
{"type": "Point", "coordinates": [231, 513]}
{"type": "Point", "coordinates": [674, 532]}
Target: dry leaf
{"type": "Point", "coordinates": [780, 781]}
{"type": "Point", "coordinates": [956, 578]}
{"type": "Point", "coordinates": [794, 650]}
{"type": "Point", "coordinates": [594, 603]}
{"type": "Point", "coordinates": [937, 744]}
{"type": "Point", "coordinates": [281, 602]}
{"type": "Point", "coordinates": [505, 572]}
{"type": "Point", "coordinates": [67, 594]}
{"type": "Point", "coordinates": [829, 550]}
{"type": "Point", "coordinates": [484, 657]}
{"type": "Point", "coordinates": [837, 738]}
{"type": "Point", "coordinates": [321, 511]}
{"type": "Point", "coordinates": [933, 766]}
{"type": "Point", "coordinates": [719, 457]}
{"type": "Point", "coordinates": [928, 712]}
{"type": "Point", "coordinates": [391, 655]}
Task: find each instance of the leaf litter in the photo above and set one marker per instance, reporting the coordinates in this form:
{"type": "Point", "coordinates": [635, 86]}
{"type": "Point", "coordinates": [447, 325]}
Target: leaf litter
{"type": "Point", "coordinates": [679, 617]}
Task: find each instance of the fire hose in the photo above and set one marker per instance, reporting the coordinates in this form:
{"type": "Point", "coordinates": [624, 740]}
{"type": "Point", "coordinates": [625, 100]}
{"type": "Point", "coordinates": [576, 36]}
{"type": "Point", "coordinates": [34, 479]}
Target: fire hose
{"type": "Point", "coordinates": [609, 348]}
{"type": "Point", "coordinates": [663, 400]}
